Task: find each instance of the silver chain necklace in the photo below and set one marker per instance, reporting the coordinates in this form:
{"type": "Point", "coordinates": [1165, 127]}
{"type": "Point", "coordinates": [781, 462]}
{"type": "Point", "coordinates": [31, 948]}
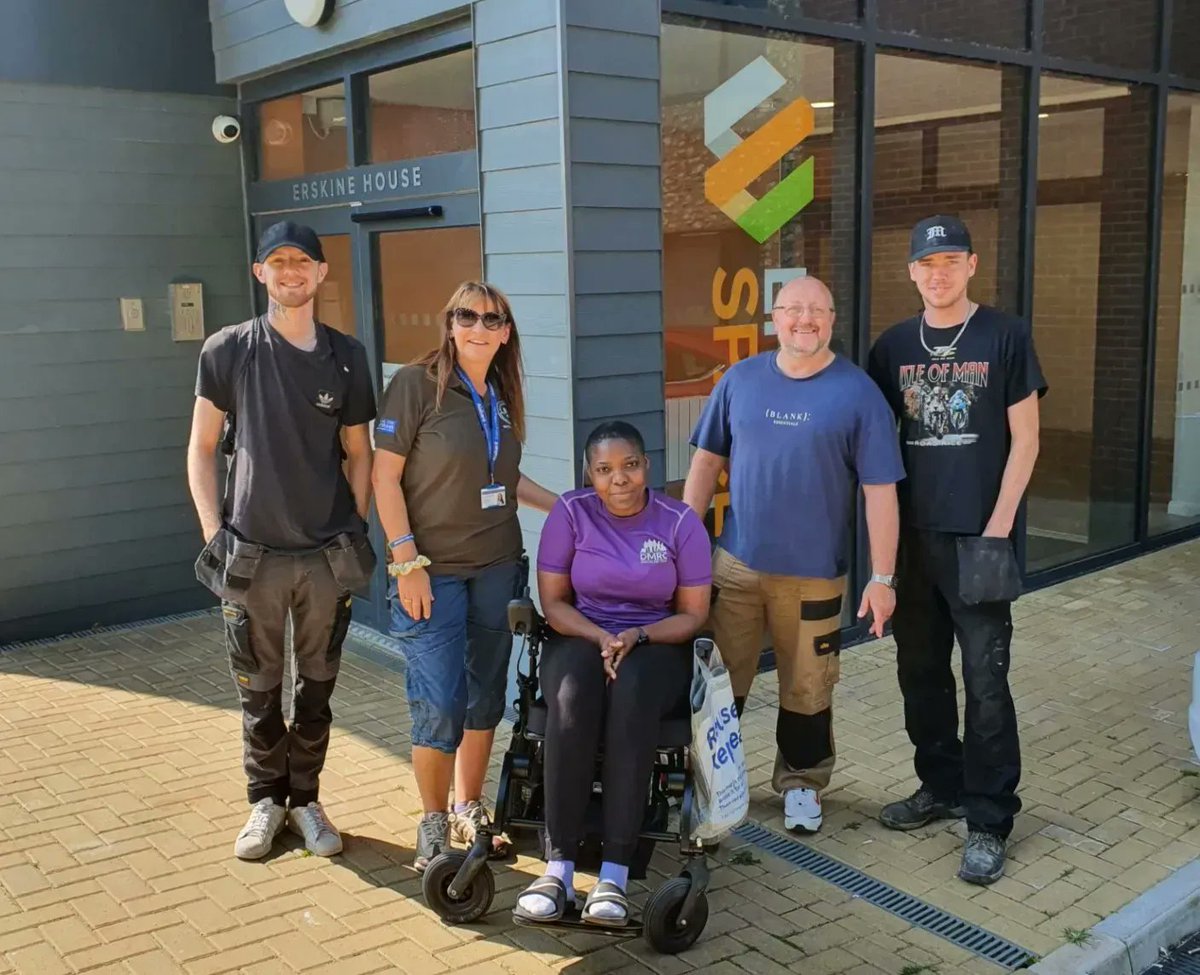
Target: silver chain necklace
{"type": "Point", "coordinates": [946, 351]}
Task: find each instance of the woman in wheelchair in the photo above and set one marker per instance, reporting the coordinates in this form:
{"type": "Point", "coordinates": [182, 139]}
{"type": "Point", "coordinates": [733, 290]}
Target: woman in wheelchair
{"type": "Point", "coordinates": [624, 574]}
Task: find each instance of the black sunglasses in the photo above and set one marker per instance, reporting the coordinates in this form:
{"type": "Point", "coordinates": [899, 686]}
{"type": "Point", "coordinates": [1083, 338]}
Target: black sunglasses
{"type": "Point", "coordinates": [468, 318]}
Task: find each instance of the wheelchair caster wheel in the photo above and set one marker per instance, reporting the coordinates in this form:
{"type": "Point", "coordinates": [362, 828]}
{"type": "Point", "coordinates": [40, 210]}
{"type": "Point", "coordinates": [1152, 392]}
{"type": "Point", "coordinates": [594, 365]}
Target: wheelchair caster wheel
{"type": "Point", "coordinates": [661, 921]}
{"type": "Point", "coordinates": [470, 904]}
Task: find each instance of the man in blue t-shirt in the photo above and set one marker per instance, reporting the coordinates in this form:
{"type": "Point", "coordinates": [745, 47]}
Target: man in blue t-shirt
{"type": "Point", "coordinates": [796, 428]}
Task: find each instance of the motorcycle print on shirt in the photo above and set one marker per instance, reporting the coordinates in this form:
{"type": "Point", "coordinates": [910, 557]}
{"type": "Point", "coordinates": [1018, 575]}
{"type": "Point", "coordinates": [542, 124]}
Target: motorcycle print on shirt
{"type": "Point", "coordinates": [938, 397]}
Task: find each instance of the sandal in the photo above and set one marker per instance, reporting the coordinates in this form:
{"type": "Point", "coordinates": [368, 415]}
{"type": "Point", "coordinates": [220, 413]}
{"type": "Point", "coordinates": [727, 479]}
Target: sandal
{"type": "Point", "coordinates": [552, 889]}
{"type": "Point", "coordinates": [606, 892]}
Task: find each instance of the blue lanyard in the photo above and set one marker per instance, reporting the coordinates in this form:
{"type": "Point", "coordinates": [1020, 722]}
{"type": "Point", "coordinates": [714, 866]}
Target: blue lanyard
{"type": "Point", "coordinates": [491, 430]}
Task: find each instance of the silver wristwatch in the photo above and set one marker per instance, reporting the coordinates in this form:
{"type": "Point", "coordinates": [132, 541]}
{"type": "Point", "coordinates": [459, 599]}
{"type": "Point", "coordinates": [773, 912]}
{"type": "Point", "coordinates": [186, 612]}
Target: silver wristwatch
{"type": "Point", "coordinates": [889, 581]}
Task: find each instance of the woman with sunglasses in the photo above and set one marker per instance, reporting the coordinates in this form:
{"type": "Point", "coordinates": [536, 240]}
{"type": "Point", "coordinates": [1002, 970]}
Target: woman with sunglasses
{"type": "Point", "coordinates": [447, 485]}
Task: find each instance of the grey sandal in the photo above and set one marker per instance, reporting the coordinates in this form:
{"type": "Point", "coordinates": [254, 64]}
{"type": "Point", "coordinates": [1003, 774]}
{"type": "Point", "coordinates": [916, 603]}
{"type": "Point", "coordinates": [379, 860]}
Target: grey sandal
{"type": "Point", "coordinates": [606, 892]}
{"type": "Point", "coordinates": [552, 889]}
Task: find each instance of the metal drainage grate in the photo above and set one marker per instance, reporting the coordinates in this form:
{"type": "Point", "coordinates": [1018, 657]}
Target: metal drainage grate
{"type": "Point", "coordinates": [906, 907]}
{"type": "Point", "coordinates": [1184, 960]}
{"type": "Point", "coordinates": [114, 628]}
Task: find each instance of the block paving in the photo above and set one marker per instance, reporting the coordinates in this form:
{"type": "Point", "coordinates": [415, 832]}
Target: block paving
{"type": "Point", "coordinates": [122, 793]}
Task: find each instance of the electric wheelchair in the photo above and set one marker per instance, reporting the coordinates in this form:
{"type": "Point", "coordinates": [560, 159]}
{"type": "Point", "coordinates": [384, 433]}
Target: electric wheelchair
{"type": "Point", "coordinates": [458, 885]}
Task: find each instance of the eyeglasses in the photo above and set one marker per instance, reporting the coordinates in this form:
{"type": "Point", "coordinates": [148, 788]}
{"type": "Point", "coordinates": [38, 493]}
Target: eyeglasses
{"type": "Point", "coordinates": [793, 312]}
{"type": "Point", "coordinates": [469, 318]}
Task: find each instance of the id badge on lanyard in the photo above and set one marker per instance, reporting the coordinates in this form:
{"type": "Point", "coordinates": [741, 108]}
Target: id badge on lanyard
{"type": "Point", "coordinates": [492, 495]}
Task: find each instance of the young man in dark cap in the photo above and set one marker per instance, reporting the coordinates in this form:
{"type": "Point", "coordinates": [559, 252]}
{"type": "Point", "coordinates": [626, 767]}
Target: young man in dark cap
{"type": "Point", "coordinates": [964, 382]}
{"type": "Point", "coordinates": [289, 400]}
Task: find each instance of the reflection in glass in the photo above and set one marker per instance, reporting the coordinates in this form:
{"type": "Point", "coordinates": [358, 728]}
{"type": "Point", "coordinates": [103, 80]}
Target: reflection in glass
{"type": "Point", "coordinates": [948, 140]}
{"type": "Point", "coordinates": [417, 272]}
{"type": "Point", "coordinates": [1089, 310]}
{"type": "Point", "coordinates": [1185, 40]}
{"type": "Point", "coordinates": [422, 109]}
{"type": "Point", "coordinates": [1002, 24]}
{"type": "Point", "coordinates": [1123, 33]}
{"type": "Point", "coordinates": [335, 298]}
{"type": "Point", "coordinates": [303, 133]}
{"type": "Point", "coordinates": [1175, 447]}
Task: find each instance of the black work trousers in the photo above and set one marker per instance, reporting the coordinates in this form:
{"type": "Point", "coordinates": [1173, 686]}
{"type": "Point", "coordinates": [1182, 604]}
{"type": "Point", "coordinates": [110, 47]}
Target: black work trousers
{"type": "Point", "coordinates": [281, 762]}
{"type": "Point", "coordinates": [586, 712]}
{"type": "Point", "coordinates": [984, 767]}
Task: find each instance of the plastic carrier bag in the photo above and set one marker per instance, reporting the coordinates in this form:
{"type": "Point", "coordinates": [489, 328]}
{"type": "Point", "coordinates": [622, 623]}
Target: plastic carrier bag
{"type": "Point", "coordinates": [718, 759]}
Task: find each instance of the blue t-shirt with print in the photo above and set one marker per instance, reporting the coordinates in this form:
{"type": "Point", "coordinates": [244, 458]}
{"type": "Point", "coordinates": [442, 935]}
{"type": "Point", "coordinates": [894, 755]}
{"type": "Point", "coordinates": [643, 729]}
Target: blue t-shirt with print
{"type": "Point", "coordinates": [796, 447]}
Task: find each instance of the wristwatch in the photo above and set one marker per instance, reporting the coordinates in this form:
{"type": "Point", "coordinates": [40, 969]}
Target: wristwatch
{"type": "Point", "coordinates": [643, 637]}
{"type": "Point", "coordinates": [889, 581]}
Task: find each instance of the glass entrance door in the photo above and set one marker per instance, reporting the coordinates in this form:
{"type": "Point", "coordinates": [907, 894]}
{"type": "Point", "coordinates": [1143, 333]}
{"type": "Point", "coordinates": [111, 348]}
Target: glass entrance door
{"type": "Point", "coordinates": [407, 274]}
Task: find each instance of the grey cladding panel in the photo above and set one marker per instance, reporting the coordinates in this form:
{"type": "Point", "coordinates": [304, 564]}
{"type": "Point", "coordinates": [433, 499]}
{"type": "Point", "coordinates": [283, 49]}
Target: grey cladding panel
{"type": "Point", "coordinates": [639, 393]}
{"type": "Point", "coordinates": [511, 190]}
{"type": "Point", "coordinates": [650, 425]}
{"type": "Point", "coordinates": [513, 102]}
{"type": "Point", "coordinates": [498, 19]}
{"type": "Point", "coordinates": [525, 232]}
{"type": "Point", "coordinates": [600, 229]}
{"type": "Point", "coordinates": [605, 97]}
{"type": "Point", "coordinates": [624, 355]}
{"type": "Point", "coordinates": [538, 314]}
{"type": "Point", "coordinates": [619, 143]}
{"type": "Point", "coordinates": [605, 272]}
{"type": "Point", "coordinates": [95, 420]}
{"type": "Point", "coordinates": [520, 146]}
{"type": "Point", "coordinates": [242, 48]}
{"type": "Point", "coordinates": [599, 185]}
{"type": "Point", "coordinates": [632, 16]}
{"type": "Point", "coordinates": [612, 53]}
{"type": "Point", "coordinates": [514, 58]}
{"type": "Point", "coordinates": [529, 274]}
{"type": "Point", "coordinates": [249, 21]}
{"type": "Point", "coordinates": [547, 396]}
{"type": "Point", "coordinates": [619, 313]}
{"type": "Point", "coordinates": [547, 356]}
{"type": "Point", "coordinates": [74, 620]}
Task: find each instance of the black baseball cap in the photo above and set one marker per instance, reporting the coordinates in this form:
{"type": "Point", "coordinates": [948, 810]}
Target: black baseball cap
{"type": "Point", "coordinates": [288, 234]}
{"type": "Point", "coordinates": [938, 235]}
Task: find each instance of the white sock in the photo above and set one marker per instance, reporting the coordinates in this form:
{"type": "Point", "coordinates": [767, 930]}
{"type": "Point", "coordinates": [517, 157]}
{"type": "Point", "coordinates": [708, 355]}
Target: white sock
{"type": "Point", "coordinates": [619, 875]}
{"type": "Point", "coordinates": [539, 904]}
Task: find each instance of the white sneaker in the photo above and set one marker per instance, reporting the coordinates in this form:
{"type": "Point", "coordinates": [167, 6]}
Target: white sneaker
{"type": "Point", "coordinates": [802, 810]}
{"type": "Point", "coordinates": [320, 835]}
{"type": "Point", "coordinates": [265, 822]}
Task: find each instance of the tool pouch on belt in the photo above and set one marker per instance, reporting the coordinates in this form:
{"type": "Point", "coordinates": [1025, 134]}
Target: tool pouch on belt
{"type": "Point", "coordinates": [987, 570]}
{"type": "Point", "coordinates": [351, 560]}
{"type": "Point", "coordinates": [227, 565]}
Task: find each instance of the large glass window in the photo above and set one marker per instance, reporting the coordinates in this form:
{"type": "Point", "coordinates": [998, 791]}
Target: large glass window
{"type": "Point", "coordinates": [843, 11]}
{"type": "Point", "coordinates": [1175, 448]}
{"type": "Point", "coordinates": [422, 109]}
{"type": "Point", "coordinates": [947, 140]}
{"type": "Point", "coordinates": [725, 257]}
{"type": "Point", "coordinates": [1185, 39]}
{"type": "Point", "coordinates": [416, 272]}
{"type": "Point", "coordinates": [1089, 314]}
{"type": "Point", "coordinates": [1123, 33]}
{"type": "Point", "coordinates": [335, 298]}
{"type": "Point", "coordinates": [303, 133]}
{"type": "Point", "coordinates": [1001, 23]}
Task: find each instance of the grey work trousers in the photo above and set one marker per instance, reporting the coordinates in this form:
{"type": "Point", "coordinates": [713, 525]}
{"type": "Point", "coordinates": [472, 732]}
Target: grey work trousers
{"type": "Point", "coordinates": [281, 762]}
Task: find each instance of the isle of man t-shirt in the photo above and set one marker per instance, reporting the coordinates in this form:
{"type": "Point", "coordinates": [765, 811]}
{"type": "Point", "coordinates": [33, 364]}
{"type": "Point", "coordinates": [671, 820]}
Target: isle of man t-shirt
{"type": "Point", "coordinates": [953, 412]}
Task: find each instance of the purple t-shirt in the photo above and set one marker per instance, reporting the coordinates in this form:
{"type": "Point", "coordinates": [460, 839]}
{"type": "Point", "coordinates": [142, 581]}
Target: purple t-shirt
{"type": "Point", "coordinates": [625, 571]}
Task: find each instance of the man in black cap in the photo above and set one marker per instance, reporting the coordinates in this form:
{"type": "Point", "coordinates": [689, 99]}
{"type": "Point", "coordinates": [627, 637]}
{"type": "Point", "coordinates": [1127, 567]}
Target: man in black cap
{"type": "Point", "coordinates": [964, 382]}
{"type": "Point", "coordinates": [289, 401]}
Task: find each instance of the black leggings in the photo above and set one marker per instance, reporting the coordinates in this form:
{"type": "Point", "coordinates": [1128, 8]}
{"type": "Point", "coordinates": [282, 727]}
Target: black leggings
{"type": "Point", "coordinates": [653, 681]}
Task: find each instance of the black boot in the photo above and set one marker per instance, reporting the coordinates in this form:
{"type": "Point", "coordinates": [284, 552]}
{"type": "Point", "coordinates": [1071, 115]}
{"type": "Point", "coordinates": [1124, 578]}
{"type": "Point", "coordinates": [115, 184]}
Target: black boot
{"type": "Point", "coordinates": [918, 809]}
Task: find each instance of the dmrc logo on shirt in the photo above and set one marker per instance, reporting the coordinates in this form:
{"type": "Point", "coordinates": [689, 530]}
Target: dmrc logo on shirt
{"type": "Point", "coordinates": [654, 552]}
{"type": "Point", "coordinates": [742, 161]}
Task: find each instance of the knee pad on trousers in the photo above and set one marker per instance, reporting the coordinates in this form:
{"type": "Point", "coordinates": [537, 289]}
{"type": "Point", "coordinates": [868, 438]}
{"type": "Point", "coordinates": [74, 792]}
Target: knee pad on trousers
{"type": "Point", "coordinates": [805, 740]}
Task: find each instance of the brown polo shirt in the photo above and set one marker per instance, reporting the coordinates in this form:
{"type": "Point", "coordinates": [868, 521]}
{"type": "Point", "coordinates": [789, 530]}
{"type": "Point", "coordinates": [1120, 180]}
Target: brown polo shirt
{"type": "Point", "coordinates": [446, 467]}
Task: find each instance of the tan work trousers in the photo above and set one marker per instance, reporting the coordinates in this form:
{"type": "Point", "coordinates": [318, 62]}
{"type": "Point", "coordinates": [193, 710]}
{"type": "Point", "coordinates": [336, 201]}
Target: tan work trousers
{"type": "Point", "coordinates": [803, 617]}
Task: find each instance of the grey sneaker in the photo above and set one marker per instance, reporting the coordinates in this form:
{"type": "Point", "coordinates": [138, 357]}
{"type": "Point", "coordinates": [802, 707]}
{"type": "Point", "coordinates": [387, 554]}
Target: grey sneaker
{"type": "Point", "coordinates": [918, 809]}
{"type": "Point", "coordinates": [265, 822]}
{"type": "Point", "coordinates": [983, 858]}
{"type": "Point", "coordinates": [433, 837]}
{"type": "Point", "coordinates": [466, 824]}
{"type": "Point", "coordinates": [320, 836]}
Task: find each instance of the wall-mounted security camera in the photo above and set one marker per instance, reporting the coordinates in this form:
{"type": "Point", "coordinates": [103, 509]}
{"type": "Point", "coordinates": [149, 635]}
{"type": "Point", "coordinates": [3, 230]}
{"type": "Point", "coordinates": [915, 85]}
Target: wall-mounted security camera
{"type": "Point", "coordinates": [226, 128]}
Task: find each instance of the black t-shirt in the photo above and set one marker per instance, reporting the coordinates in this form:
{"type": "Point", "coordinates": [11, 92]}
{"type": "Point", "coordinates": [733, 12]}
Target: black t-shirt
{"type": "Point", "coordinates": [953, 413]}
{"type": "Point", "coordinates": [288, 490]}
